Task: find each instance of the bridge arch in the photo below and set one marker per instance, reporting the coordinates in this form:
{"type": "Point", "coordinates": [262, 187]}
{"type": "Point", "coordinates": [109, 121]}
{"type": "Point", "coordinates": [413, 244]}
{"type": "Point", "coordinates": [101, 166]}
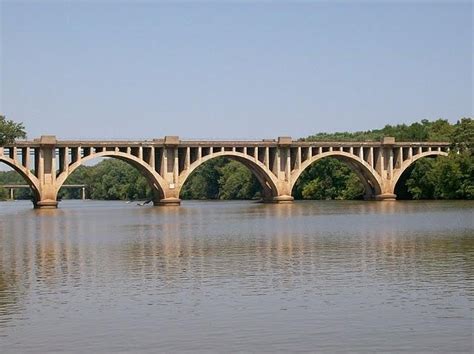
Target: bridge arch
{"type": "Point", "coordinates": [263, 174]}
{"type": "Point", "coordinates": [155, 181]}
{"type": "Point", "coordinates": [370, 179]}
{"type": "Point", "coordinates": [406, 164]}
{"type": "Point", "coordinates": [29, 178]}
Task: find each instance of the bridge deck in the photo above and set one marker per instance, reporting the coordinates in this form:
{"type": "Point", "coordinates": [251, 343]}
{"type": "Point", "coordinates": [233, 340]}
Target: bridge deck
{"type": "Point", "coordinates": [218, 143]}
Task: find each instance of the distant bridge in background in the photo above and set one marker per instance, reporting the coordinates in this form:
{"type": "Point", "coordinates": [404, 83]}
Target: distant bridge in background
{"type": "Point", "coordinates": [166, 163]}
{"type": "Point", "coordinates": [11, 188]}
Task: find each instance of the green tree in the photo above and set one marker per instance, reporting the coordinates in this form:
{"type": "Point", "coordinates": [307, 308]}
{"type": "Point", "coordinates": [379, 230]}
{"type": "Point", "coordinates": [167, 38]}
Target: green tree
{"type": "Point", "coordinates": [203, 183]}
{"type": "Point", "coordinates": [421, 183]}
{"type": "Point", "coordinates": [9, 131]}
{"type": "Point", "coordinates": [328, 178]}
{"type": "Point", "coordinates": [237, 182]}
{"type": "Point", "coordinates": [13, 177]}
{"type": "Point", "coordinates": [3, 194]}
{"type": "Point", "coordinates": [462, 137]}
{"type": "Point", "coordinates": [454, 176]}
{"type": "Point", "coordinates": [110, 179]}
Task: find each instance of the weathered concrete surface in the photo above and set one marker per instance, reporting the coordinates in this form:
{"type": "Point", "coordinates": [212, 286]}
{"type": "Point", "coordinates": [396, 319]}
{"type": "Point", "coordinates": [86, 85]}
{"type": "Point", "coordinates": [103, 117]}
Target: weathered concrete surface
{"type": "Point", "coordinates": [168, 162]}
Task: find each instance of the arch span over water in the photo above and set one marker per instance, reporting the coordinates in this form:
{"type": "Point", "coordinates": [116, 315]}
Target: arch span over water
{"type": "Point", "coordinates": [266, 178]}
{"type": "Point", "coordinates": [367, 175]}
{"type": "Point", "coordinates": [155, 181]}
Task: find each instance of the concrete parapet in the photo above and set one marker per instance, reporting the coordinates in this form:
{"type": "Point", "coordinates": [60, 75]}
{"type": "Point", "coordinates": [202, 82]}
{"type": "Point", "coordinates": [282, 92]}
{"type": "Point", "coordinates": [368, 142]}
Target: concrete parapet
{"type": "Point", "coordinates": [48, 140]}
{"type": "Point", "coordinates": [172, 140]}
{"type": "Point", "coordinates": [388, 140]}
{"type": "Point", "coordinates": [285, 140]}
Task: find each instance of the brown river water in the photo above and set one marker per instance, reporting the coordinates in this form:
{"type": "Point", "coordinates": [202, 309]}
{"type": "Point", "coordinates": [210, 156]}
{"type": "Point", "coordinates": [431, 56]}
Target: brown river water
{"type": "Point", "coordinates": [319, 276]}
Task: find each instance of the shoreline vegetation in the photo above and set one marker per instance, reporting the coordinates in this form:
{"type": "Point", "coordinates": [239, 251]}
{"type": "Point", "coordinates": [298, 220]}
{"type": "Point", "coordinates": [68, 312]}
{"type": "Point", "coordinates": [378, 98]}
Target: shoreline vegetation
{"type": "Point", "coordinates": [450, 177]}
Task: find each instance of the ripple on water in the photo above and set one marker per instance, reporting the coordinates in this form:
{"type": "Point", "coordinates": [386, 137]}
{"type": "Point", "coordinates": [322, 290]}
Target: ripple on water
{"type": "Point", "coordinates": [327, 276]}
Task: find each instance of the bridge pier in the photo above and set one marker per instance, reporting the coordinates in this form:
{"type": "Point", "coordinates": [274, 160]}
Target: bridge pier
{"type": "Point", "coordinates": [283, 199]}
{"type": "Point", "coordinates": [172, 201]}
{"type": "Point", "coordinates": [46, 165]}
{"type": "Point", "coordinates": [386, 197]}
{"type": "Point", "coordinates": [48, 197]}
{"type": "Point", "coordinates": [46, 204]}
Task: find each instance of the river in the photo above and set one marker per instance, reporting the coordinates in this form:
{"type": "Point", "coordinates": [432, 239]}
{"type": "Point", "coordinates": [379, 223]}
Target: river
{"type": "Point", "coordinates": [327, 276]}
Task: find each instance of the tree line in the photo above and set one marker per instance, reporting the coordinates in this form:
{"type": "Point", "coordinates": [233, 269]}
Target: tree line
{"type": "Point", "coordinates": [450, 177]}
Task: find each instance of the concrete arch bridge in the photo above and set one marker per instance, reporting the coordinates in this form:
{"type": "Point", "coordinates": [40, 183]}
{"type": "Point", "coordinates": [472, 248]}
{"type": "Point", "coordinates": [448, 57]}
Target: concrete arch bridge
{"type": "Point", "coordinates": [46, 163]}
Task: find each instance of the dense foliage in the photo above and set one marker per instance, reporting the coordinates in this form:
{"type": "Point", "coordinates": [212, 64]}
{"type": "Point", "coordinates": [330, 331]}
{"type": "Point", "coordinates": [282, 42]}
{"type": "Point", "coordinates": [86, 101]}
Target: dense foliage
{"type": "Point", "coordinates": [328, 179]}
{"type": "Point", "coordinates": [9, 131]}
{"type": "Point", "coordinates": [438, 130]}
{"type": "Point", "coordinates": [449, 177]}
{"type": "Point", "coordinates": [113, 179]}
{"type": "Point", "coordinates": [12, 177]}
{"type": "Point", "coordinates": [110, 179]}
{"type": "Point", "coordinates": [221, 178]}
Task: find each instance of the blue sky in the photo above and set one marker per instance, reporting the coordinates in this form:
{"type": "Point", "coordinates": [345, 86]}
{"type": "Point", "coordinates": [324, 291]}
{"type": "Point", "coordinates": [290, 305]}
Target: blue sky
{"type": "Point", "coordinates": [237, 70]}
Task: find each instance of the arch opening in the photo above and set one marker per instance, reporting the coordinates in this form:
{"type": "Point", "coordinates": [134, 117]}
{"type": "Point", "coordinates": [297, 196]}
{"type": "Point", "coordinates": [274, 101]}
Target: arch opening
{"type": "Point", "coordinates": [431, 176]}
{"type": "Point", "coordinates": [335, 177]}
{"type": "Point", "coordinates": [116, 176]}
{"type": "Point", "coordinates": [227, 177]}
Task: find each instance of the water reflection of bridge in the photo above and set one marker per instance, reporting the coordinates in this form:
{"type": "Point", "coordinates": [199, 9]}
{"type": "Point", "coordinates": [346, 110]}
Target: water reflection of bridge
{"type": "Point", "coordinates": [74, 262]}
{"type": "Point", "coordinates": [285, 240]}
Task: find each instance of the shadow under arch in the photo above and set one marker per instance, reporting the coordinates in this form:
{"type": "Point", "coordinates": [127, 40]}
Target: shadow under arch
{"type": "Point", "coordinates": [401, 174]}
{"type": "Point", "coordinates": [368, 177]}
{"type": "Point", "coordinates": [29, 178]}
{"type": "Point", "coordinates": [155, 181]}
{"type": "Point", "coordinates": [266, 178]}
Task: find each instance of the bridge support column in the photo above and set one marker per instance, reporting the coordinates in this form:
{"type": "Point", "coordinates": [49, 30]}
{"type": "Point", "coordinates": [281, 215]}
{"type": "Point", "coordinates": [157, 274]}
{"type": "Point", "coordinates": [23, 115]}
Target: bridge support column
{"type": "Point", "coordinates": [47, 174]}
{"type": "Point", "coordinates": [170, 197]}
{"type": "Point", "coordinates": [386, 170]}
{"type": "Point", "coordinates": [46, 203]}
{"type": "Point", "coordinates": [283, 166]}
{"type": "Point", "coordinates": [170, 172]}
{"type": "Point", "coordinates": [388, 190]}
